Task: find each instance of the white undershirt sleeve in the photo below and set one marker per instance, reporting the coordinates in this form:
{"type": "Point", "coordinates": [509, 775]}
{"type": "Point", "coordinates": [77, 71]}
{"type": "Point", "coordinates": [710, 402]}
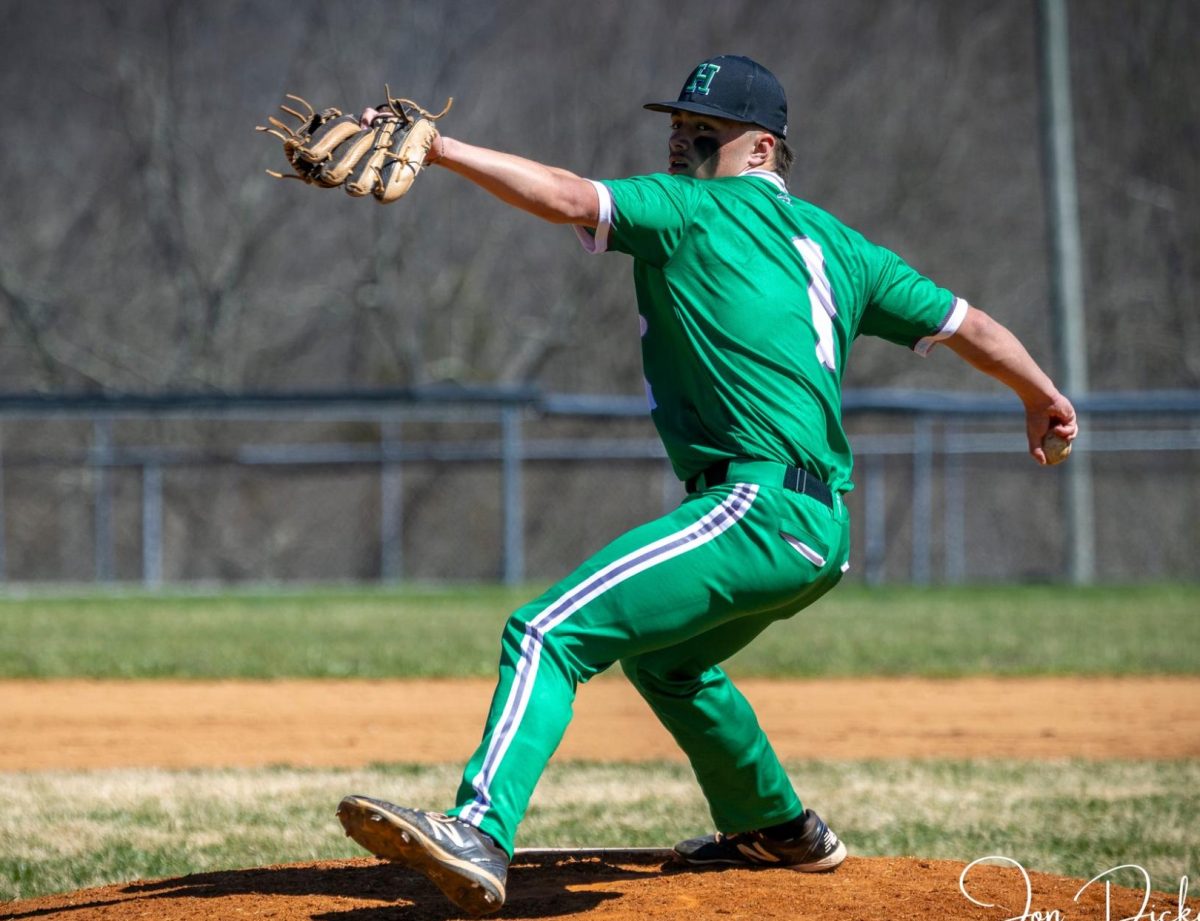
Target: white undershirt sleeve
{"type": "Point", "coordinates": [949, 328]}
{"type": "Point", "coordinates": [597, 241]}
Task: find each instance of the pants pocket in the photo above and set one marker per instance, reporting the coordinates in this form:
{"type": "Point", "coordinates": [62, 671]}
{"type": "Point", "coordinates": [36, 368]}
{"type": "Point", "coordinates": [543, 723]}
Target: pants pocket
{"type": "Point", "coordinates": [804, 542]}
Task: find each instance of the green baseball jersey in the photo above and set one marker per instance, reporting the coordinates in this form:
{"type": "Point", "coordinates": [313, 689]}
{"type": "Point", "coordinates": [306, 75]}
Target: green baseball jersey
{"type": "Point", "coordinates": [749, 301]}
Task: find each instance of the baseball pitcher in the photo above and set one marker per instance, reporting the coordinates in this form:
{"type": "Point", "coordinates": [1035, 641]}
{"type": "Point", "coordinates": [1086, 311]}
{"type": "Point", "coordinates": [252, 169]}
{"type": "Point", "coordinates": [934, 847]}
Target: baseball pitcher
{"type": "Point", "coordinates": [750, 299]}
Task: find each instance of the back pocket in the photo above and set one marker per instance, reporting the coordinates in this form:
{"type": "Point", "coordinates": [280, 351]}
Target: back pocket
{"type": "Point", "coordinates": [803, 542]}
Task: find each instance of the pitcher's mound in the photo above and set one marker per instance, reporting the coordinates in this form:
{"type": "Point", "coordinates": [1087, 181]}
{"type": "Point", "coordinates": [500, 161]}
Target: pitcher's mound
{"type": "Point", "coordinates": [627, 886]}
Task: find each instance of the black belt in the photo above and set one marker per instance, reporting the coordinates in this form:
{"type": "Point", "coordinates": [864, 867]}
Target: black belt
{"type": "Point", "coordinates": [796, 479]}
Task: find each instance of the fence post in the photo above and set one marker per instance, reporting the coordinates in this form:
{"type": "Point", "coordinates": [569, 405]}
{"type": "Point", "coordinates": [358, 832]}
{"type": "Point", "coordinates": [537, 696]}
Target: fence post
{"type": "Point", "coordinates": [922, 499]}
{"type": "Point", "coordinates": [513, 498]}
{"type": "Point", "coordinates": [101, 459]}
{"type": "Point", "coordinates": [875, 500]}
{"type": "Point", "coordinates": [1066, 271]}
{"type": "Point", "coordinates": [954, 509]}
{"type": "Point", "coordinates": [152, 521]}
{"type": "Point", "coordinates": [391, 499]}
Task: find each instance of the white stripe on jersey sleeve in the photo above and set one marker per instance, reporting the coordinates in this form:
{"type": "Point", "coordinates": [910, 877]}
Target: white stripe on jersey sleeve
{"type": "Point", "coordinates": [598, 242]}
{"type": "Point", "coordinates": [949, 328]}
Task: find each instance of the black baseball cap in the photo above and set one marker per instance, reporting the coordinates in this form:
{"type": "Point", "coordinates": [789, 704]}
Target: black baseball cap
{"type": "Point", "coordinates": [735, 87]}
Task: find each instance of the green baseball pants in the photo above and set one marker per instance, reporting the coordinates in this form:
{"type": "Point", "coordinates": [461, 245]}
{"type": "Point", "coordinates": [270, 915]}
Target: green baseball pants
{"type": "Point", "coordinates": [668, 600]}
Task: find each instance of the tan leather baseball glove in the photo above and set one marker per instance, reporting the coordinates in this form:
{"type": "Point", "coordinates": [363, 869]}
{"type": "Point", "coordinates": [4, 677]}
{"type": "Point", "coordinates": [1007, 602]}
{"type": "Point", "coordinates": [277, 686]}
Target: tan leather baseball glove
{"type": "Point", "coordinates": [377, 154]}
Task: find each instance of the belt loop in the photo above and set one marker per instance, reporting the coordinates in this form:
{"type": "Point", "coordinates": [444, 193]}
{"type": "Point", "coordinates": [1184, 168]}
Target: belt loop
{"type": "Point", "coordinates": [791, 479]}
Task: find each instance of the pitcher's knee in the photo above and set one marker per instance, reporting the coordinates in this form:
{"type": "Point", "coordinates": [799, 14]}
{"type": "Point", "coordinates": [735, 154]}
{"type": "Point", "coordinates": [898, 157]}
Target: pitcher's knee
{"type": "Point", "coordinates": [523, 639]}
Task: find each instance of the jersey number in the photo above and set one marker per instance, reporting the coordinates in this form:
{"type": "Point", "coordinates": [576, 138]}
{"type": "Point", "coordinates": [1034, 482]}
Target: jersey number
{"type": "Point", "coordinates": [820, 299]}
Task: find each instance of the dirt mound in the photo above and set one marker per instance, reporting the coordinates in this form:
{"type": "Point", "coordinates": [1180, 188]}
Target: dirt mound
{"type": "Point", "coordinates": [629, 887]}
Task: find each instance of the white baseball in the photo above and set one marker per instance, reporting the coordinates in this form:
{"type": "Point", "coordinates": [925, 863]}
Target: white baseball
{"type": "Point", "coordinates": [1056, 447]}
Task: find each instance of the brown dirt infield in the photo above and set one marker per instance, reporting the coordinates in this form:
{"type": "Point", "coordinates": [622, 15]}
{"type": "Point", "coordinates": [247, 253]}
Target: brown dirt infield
{"type": "Point", "coordinates": [90, 724]}
{"type": "Point", "coordinates": [173, 724]}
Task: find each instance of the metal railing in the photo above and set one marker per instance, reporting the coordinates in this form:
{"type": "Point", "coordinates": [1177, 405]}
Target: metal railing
{"type": "Point", "coordinates": [930, 432]}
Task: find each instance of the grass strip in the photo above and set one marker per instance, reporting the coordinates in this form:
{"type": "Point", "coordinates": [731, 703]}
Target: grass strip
{"type": "Point", "coordinates": [939, 632]}
{"type": "Point", "coordinates": [62, 831]}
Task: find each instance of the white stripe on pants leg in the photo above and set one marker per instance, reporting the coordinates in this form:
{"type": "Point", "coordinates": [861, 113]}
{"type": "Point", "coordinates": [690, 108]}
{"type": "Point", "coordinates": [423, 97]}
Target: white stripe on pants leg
{"type": "Point", "coordinates": [712, 525]}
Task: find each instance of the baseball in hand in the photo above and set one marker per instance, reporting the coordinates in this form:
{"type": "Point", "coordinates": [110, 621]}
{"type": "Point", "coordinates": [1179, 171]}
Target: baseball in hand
{"type": "Point", "coordinates": [1056, 448]}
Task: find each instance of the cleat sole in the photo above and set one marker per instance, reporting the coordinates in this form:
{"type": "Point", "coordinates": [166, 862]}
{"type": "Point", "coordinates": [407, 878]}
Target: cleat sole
{"type": "Point", "coordinates": [389, 837]}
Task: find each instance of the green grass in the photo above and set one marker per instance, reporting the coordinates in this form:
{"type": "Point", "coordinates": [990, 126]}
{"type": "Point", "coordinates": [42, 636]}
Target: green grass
{"type": "Point", "coordinates": [62, 831]}
{"type": "Point", "coordinates": [454, 632]}
{"type": "Point", "coordinates": [319, 634]}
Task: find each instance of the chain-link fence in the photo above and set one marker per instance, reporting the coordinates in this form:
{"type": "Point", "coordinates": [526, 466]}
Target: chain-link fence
{"type": "Point", "coordinates": [514, 485]}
